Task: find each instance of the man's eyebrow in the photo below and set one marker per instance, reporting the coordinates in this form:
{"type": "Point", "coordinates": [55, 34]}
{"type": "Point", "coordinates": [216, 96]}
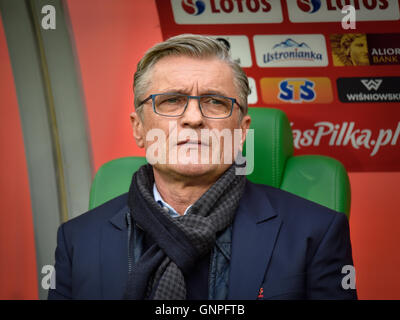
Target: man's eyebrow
{"type": "Point", "coordinates": [187, 92]}
{"type": "Point", "coordinates": [181, 91]}
{"type": "Point", "coordinates": [214, 92]}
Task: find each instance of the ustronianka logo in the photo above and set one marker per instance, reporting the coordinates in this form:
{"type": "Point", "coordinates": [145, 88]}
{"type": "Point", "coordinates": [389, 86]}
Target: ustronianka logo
{"type": "Point", "coordinates": [309, 6]}
{"type": "Point", "coordinates": [193, 7]}
{"type": "Point", "coordinates": [300, 50]}
{"type": "Point", "coordinates": [345, 134]}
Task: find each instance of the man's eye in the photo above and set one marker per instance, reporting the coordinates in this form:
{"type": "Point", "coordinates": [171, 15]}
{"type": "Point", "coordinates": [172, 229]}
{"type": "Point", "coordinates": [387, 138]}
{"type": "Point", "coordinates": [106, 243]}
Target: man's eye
{"type": "Point", "coordinates": [215, 101]}
{"type": "Point", "coordinates": [172, 100]}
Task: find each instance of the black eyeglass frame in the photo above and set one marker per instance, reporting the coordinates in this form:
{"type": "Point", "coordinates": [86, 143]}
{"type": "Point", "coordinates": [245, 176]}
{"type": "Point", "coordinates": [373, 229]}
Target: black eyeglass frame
{"type": "Point", "coordinates": [152, 97]}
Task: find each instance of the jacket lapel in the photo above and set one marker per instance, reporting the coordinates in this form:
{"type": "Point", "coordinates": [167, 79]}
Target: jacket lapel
{"type": "Point", "coordinates": [114, 256]}
{"type": "Point", "coordinates": [255, 230]}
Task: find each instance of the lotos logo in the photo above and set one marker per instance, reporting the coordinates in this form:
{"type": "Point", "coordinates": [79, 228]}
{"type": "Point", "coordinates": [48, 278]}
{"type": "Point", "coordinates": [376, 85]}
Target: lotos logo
{"type": "Point", "coordinates": [309, 6]}
{"type": "Point", "coordinates": [296, 90]}
{"type": "Point", "coordinates": [331, 10]}
{"type": "Point", "coordinates": [195, 8]}
{"type": "Point", "coordinates": [226, 11]}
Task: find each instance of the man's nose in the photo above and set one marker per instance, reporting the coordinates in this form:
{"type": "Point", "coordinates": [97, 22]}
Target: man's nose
{"type": "Point", "coordinates": [192, 116]}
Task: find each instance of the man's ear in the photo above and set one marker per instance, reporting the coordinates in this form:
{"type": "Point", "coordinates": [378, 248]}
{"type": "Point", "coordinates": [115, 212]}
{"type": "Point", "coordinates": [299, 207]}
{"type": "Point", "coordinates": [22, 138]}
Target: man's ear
{"type": "Point", "coordinates": [138, 130]}
{"type": "Point", "coordinates": [244, 125]}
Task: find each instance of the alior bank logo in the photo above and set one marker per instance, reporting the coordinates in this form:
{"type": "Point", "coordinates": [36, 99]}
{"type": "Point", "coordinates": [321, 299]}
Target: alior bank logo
{"type": "Point", "coordinates": [195, 8]}
{"type": "Point", "coordinates": [309, 6]}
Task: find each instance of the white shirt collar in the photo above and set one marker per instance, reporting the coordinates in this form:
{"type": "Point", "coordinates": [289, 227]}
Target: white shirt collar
{"type": "Point", "coordinates": [159, 199]}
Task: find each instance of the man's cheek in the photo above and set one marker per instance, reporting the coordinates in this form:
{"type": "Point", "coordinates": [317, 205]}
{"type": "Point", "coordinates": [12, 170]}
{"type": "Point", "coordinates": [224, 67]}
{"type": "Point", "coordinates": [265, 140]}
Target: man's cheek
{"type": "Point", "coordinates": [155, 146]}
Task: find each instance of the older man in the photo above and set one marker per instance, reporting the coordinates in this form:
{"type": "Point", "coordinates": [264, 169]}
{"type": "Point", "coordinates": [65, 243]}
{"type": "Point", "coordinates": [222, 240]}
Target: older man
{"type": "Point", "coordinates": [195, 229]}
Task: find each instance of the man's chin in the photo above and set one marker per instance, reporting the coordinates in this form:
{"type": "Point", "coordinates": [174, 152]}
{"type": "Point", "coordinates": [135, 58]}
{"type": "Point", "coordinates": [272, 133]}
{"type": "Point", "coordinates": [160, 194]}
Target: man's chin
{"type": "Point", "coordinates": [193, 170]}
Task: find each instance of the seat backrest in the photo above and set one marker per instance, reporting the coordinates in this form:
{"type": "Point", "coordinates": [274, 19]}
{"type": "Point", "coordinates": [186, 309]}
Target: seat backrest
{"type": "Point", "coordinates": [113, 179]}
{"type": "Point", "coordinates": [320, 179]}
{"type": "Point", "coordinates": [317, 178]}
{"type": "Point", "coordinates": [273, 145]}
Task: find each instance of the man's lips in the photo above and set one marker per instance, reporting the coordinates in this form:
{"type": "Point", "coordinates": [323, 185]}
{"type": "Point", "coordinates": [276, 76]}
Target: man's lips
{"type": "Point", "coordinates": [194, 142]}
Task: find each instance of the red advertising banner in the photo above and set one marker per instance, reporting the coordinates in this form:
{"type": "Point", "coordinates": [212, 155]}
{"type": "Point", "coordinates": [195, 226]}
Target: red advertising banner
{"type": "Point", "coordinates": [332, 65]}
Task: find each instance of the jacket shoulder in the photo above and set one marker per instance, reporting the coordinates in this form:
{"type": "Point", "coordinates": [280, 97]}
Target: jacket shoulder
{"type": "Point", "coordinates": [291, 207]}
{"type": "Point", "coordinates": [93, 219]}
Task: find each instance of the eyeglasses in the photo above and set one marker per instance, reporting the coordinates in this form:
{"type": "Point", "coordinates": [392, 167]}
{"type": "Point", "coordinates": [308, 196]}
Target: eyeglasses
{"type": "Point", "coordinates": [211, 106]}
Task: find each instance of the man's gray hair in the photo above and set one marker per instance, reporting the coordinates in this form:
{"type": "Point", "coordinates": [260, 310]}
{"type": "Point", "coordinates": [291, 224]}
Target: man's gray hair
{"type": "Point", "coordinates": [190, 45]}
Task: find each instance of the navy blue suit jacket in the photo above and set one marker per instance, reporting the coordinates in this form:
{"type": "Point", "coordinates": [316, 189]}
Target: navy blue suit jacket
{"type": "Point", "coordinates": [287, 246]}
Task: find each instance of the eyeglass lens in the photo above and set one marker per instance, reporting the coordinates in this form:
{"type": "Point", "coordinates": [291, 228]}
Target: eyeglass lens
{"type": "Point", "coordinates": [174, 105]}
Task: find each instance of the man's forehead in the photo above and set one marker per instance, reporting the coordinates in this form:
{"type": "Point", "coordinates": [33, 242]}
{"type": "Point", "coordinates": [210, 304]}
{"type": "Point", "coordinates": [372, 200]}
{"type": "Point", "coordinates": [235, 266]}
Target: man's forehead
{"type": "Point", "coordinates": [181, 63]}
{"type": "Point", "coordinates": [184, 73]}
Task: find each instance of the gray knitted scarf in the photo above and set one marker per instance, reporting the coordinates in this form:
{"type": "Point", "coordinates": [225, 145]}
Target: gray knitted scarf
{"type": "Point", "coordinates": [179, 242]}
